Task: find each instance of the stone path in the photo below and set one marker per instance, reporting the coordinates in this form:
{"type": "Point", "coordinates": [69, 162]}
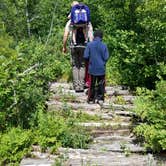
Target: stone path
{"type": "Point", "coordinates": [113, 142]}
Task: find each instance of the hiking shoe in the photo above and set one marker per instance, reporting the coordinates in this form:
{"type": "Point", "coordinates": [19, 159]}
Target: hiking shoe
{"type": "Point", "coordinates": [89, 101]}
{"type": "Point", "coordinates": [78, 90]}
{"type": "Point", "coordinates": [100, 102]}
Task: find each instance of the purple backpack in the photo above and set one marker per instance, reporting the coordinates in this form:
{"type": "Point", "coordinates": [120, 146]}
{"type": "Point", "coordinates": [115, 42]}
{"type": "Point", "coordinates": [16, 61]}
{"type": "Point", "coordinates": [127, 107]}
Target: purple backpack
{"type": "Point", "coordinates": [80, 14]}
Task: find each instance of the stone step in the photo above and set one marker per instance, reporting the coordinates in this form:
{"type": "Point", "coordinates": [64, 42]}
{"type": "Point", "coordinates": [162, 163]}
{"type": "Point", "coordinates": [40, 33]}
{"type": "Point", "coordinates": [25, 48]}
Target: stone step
{"type": "Point", "coordinates": [67, 88]}
{"type": "Point", "coordinates": [110, 138]}
{"type": "Point", "coordinates": [92, 110]}
{"type": "Point", "coordinates": [113, 106]}
{"type": "Point", "coordinates": [105, 125]}
{"type": "Point", "coordinates": [128, 99]}
{"type": "Point", "coordinates": [85, 157]}
{"type": "Point", "coordinates": [80, 102]}
{"type": "Point", "coordinates": [82, 98]}
{"type": "Point", "coordinates": [109, 132]}
{"type": "Point", "coordinates": [69, 85]}
{"type": "Point", "coordinates": [79, 157]}
{"type": "Point", "coordinates": [82, 157]}
{"type": "Point", "coordinates": [37, 162]}
{"type": "Point", "coordinates": [115, 144]}
{"type": "Point", "coordinates": [62, 91]}
{"type": "Point", "coordinates": [54, 105]}
{"type": "Point", "coordinates": [66, 85]}
{"type": "Point", "coordinates": [58, 85]}
{"type": "Point", "coordinates": [120, 116]}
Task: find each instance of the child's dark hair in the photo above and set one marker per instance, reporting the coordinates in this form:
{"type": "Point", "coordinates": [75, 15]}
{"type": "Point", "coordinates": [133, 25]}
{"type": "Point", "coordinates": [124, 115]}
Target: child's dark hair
{"type": "Point", "coordinates": [98, 33]}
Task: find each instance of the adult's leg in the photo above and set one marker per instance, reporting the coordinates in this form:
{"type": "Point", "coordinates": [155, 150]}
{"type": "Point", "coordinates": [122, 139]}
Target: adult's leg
{"type": "Point", "coordinates": [78, 67]}
{"type": "Point", "coordinates": [75, 68]}
{"type": "Point", "coordinates": [81, 69]}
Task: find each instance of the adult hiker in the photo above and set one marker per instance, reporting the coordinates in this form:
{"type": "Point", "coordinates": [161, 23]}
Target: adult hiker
{"type": "Point", "coordinates": [77, 51]}
{"type": "Point", "coordinates": [69, 29]}
{"type": "Point", "coordinates": [80, 17]}
{"type": "Point", "coordinates": [97, 53]}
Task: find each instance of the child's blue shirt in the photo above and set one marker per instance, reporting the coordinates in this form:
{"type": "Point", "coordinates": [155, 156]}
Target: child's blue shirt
{"type": "Point", "coordinates": [97, 54]}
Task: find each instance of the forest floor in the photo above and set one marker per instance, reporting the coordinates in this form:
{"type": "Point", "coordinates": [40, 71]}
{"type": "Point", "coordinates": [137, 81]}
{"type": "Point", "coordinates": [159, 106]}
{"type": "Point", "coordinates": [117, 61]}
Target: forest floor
{"type": "Point", "coordinates": [113, 143]}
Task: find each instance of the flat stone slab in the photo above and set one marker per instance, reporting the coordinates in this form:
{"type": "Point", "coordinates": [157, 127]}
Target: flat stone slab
{"type": "Point", "coordinates": [117, 146]}
{"type": "Point", "coordinates": [85, 106]}
{"type": "Point", "coordinates": [116, 143]}
{"type": "Point", "coordinates": [36, 162]}
{"type": "Point", "coordinates": [79, 157]}
{"type": "Point", "coordinates": [126, 98]}
{"type": "Point", "coordinates": [105, 132]}
{"type": "Point", "coordinates": [108, 125]}
{"type": "Point", "coordinates": [101, 115]}
{"type": "Point", "coordinates": [68, 88]}
{"type": "Point", "coordinates": [117, 106]}
{"type": "Point", "coordinates": [122, 113]}
{"type": "Point", "coordinates": [81, 97]}
{"type": "Point", "coordinates": [75, 106]}
{"type": "Point", "coordinates": [56, 85]}
{"type": "Point", "coordinates": [111, 138]}
{"type": "Point", "coordinates": [67, 85]}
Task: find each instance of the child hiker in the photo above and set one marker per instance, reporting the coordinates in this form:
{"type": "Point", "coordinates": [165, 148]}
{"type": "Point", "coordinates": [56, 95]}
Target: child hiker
{"type": "Point", "coordinates": [97, 54]}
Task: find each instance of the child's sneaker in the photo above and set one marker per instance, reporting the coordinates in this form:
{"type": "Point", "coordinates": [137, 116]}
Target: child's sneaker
{"type": "Point", "coordinates": [100, 102]}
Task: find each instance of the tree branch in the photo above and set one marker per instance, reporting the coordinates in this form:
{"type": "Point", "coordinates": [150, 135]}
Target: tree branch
{"type": "Point", "coordinates": [29, 69]}
{"type": "Point", "coordinates": [28, 21]}
{"type": "Point", "coordinates": [52, 22]}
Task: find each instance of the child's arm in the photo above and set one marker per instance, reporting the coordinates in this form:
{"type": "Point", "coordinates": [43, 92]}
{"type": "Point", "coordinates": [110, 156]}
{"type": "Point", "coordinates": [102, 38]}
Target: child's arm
{"type": "Point", "coordinates": [106, 53]}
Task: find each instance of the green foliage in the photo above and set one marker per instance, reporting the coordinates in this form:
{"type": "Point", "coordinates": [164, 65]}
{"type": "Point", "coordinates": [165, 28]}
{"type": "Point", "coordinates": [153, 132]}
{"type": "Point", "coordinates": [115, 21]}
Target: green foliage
{"type": "Point", "coordinates": [83, 117]}
{"type": "Point", "coordinates": [61, 160]}
{"type": "Point", "coordinates": [54, 130]}
{"type": "Point", "coordinates": [80, 116]}
{"type": "Point", "coordinates": [49, 127]}
{"type": "Point", "coordinates": [27, 18]}
{"type": "Point", "coordinates": [126, 149]}
{"type": "Point", "coordinates": [119, 100]}
{"type": "Point", "coordinates": [134, 32]}
{"type": "Point", "coordinates": [154, 137]}
{"type": "Point", "coordinates": [31, 58]}
{"type": "Point", "coordinates": [26, 86]}
{"type": "Point", "coordinates": [151, 108]}
{"type": "Point", "coordinates": [15, 144]}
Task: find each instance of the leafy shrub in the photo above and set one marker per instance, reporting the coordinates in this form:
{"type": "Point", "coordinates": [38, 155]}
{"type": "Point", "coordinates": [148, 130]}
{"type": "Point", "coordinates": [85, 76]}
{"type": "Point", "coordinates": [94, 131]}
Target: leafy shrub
{"type": "Point", "coordinates": [52, 130]}
{"type": "Point", "coordinates": [151, 108]}
{"type": "Point", "coordinates": [15, 144]}
{"type": "Point", "coordinates": [55, 130]}
{"type": "Point", "coordinates": [154, 136]}
{"type": "Point", "coordinates": [26, 86]}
